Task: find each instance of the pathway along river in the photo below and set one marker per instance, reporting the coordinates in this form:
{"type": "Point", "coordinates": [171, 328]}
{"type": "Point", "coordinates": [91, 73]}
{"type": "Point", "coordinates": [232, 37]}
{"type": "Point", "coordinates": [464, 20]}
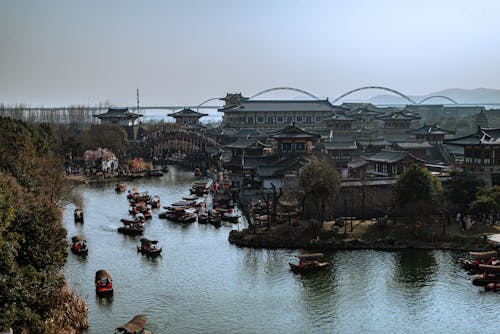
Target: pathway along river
{"type": "Point", "coordinates": [203, 284]}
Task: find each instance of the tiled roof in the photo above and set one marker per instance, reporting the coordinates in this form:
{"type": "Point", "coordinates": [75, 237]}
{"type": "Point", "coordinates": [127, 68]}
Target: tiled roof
{"type": "Point", "coordinates": [344, 145]}
{"type": "Point", "coordinates": [388, 156]}
{"type": "Point", "coordinates": [409, 145]}
{"type": "Point", "coordinates": [430, 130]}
{"type": "Point", "coordinates": [293, 132]}
{"type": "Point", "coordinates": [245, 143]}
{"type": "Point", "coordinates": [281, 105]}
{"type": "Point", "coordinates": [489, 136]}
{"type": "Point", "coordinates": [118, 112]}
{"type": "Point", "coordinates": [187, 113]}
{"type": "Point", "coordinates": [398, 115]}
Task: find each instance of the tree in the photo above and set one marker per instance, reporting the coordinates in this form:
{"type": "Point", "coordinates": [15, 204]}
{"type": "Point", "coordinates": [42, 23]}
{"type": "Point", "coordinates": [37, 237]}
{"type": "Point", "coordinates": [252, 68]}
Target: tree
{"type": "Point", "coordinates": [487, 200]}
{"type": "Point", "coordinates": [417, 188]}
{"type": "Point", "coordinates": [463, 190]}
{"type": "Point", "coordinates": [318, 182]}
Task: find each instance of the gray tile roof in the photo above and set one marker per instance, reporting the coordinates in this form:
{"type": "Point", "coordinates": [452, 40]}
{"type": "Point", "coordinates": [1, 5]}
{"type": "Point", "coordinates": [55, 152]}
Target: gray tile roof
{"type": "Point", "coordinates": [357, 163]}
{"type": "Point", "coordinates": [293, 132]}
{"type": "Point", "coordinates": [388, 156]}
{"type": "Point", "coordinates": [399, 115]}
{"type": "Point", "coordinates": [281, 105]}
{"type": "Point", "coordinates": [246, 143]}
{"type": "Point", "coordinates": [118, 112]}
{"type": "Point", "coordinates": [430, 130]}
{"type": "Point", "coordinates": [343, 145]}
{"type": "Point", "coordinates": [489, 136]}
{"type": "Point", "coordinates": [187, 113]}
{"type": "Point", "coordinates": [408, 145]}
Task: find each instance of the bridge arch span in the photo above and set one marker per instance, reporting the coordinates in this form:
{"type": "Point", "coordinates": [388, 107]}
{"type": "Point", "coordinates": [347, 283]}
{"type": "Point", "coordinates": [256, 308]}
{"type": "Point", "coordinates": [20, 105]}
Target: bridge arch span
{"type": "Point", "coordinates": [375, 87]}
{"type": "Point", "coordinates": [438, 96]}
{"type": "Point", "coordinates": [286, 88]}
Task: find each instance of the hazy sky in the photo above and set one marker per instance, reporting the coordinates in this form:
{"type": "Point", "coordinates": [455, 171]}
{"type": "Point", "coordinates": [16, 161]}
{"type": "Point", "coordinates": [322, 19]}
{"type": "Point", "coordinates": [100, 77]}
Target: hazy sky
{"type": "Point", "coordinates": [58, 52]}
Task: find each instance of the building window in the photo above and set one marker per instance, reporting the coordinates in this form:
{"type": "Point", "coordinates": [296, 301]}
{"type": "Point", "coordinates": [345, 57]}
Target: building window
{"type": "Point", "coordinates": [394, 170]}
{"type": "Point", "coordinates": [384, 168]}
{"type": "Point", "coordinates": [300, 146]}
{"type": "Point", "coordinates": [279, 119]}
{"type": "Point", "coordinates": [289, 119]}
{"type": "Point", "coordinates": [249, 120]}
{"type": "Point", "coordinates": [318, 119]}
{"type": "Point", "coordinates": [260, 119]}
{"type": "Point", "coordinates": [308, 119]}
{"type": "Point", "coordinates": [298, 119]}
{"type": "Point", "coordinates": [270, 120]}
{"type": "Point", "coordinates": [286, 146]}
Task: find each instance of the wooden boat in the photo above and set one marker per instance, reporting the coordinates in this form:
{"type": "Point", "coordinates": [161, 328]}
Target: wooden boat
{"type": "Point", "coordinates": [203, 218]}
{"type": "Point", "coordinates": [78, 215]}
{"type": "Point", "coordinates": [148, 247]}
{"type": "Point", "coordinates": [120, 187]}
{"type": "Point", "coordinates": [478, 258]}
{"type": "Point", "coordinates": [155, 172]}
{"type": "Point", "coordinates": [134, 326]}
{"type": "Point", "coordinates": [490, 268]}
{"type": "Point", "coordinates": [308, 263]}
{"type": "Point", "coordinates": [155, 202]}
{"type": "Point", "coordinates": [79, 245]}
{"type": "Point", "coordinates": [229, 217]}
{"type": "Point", "coordinates": [131, 227]}
{"type": "Point", "coordinates": [103, 283]}
{"type": "Point", "coordinates": [136, 197]}
{"type": "Point", "coordinates": [485, 278]}
{"type": "Point", "coordinates": [190, 198]}
{"type": "Point", "coordinates": [492, 287]}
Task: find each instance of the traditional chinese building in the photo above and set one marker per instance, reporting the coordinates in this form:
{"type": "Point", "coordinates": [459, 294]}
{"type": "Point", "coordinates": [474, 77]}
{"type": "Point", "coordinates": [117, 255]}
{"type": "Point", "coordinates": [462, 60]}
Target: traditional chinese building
{"type": "Point", "coordinates": [293, 141]}
{"type": "Point", "coordinates": [187, 117]}
{"type": "Point", "coordinates": [391, 163]}
{"type": "Point", "coordinates": [432, 133]}
{"type": "Point", "coordinates": [341, 123]}
{"type": "Point", "coordinates": [481, 149]}
{"type": "Point", "coordinates": [397, 122]}
{"type": "Point", "coordinates": [341, 151]}
{"type": "Point", "coordinates": [365, 117]}
{"type": "Point", "coordinates": [271, 115]}
{"type": "Point", "coordinates": [121, 117]}
{"type": "Point", "coordinates": [248, 147]}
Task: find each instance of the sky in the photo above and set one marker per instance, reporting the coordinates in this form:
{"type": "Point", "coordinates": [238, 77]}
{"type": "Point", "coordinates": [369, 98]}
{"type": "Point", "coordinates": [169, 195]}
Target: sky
{"type": "Point", "coordinates": [183, 52]}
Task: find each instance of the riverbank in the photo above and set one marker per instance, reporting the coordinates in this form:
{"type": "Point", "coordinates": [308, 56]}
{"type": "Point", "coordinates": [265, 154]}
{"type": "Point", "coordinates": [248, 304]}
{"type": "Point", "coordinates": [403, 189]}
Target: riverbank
{"type": "Point", "coordinates": [414, 233]}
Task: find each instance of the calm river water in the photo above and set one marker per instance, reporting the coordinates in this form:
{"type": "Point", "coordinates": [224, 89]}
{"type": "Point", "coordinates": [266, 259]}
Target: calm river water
{"type": "Point", "coordinates": [203, 284]}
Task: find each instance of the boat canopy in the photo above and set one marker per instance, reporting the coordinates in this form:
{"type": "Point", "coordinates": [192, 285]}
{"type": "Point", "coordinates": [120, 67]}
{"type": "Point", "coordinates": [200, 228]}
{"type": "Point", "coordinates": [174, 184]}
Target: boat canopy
{"type": "Point", "coordinates": [489, 268]}
{"type": "Point", "coordinates": [137, 323]}
{"type": "Point", "coordinates": [483, 255]}
{"type": "Point", "coordinates": [100, 274]}
{"type": "Point", "coordinates": [77, 238]}
{"type": "Point", "coordinates": [311, 256]}
{"type": "Point", "coordinates": [146, 241]}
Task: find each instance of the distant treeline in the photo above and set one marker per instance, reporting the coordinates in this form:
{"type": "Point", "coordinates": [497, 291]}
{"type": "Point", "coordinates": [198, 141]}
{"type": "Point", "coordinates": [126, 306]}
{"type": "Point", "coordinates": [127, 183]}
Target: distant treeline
{"type": "Point", "coordinates": [70, 115]}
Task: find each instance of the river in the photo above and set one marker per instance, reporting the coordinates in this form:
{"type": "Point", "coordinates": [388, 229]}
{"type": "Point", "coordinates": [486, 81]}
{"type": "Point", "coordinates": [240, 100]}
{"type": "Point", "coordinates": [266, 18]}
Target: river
{"type": "Point", "coordinates": [203, 284]}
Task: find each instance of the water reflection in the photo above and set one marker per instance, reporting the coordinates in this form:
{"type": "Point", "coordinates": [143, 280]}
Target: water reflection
{"type": "Point", "coordinates": [414, 268]}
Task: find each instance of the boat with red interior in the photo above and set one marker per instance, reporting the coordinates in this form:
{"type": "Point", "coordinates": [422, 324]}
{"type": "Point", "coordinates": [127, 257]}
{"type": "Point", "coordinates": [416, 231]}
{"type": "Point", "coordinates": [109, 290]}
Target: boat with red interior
{"type": "Point", "coordinates": [478, 258]}
{"type": "Point", "coordinates": [309, 263]}
{"type": "Point", "coordinates": [103, 283]}
{"type": "Point", "coordinates": [149, 247]}
{"type": "Point", "coordinates": [79, 245]}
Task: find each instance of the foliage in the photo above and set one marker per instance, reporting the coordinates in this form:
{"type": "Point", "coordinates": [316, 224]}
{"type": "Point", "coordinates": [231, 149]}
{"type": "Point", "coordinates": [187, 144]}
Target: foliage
{"type": "Point", "coordinates": [463, 190]}
{"type": "Point", "coordinates": [487, 200]}
{"type": "Point", "coordinates": [32, 239]}
{"type": "Point", "coordinates": [318, 182]}
{"type": "Point", "coordinates": [417, 184]}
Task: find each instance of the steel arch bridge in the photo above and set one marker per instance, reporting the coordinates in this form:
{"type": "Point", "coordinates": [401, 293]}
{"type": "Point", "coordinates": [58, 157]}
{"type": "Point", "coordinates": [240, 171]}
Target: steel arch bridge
{"type": "Point", "coordinates": [407, 98]}
{"type": "Point", "coordinates": [438, 96]}
{"type": "Point", "coordinates": [286, 88]}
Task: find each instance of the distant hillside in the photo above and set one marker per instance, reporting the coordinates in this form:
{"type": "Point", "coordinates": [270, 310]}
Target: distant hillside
{"type": "Point", "coordinates": [478, 95]}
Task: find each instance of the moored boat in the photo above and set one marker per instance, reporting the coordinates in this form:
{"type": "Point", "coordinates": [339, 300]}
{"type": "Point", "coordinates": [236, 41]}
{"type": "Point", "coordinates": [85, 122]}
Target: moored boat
{"type": "Point", "coordinates": [478, 258]}
{"type": "Point", "coordinates": [78, 215]}
{"type": "Point", "coordinates": [149, 247]}
{"type": "Point", "coordinates": [79, 245]}
{"type": "Point", "coordinates": [309, 263]}
{"type": "Point", "coordinates": [131, 227]}
{"type": "Point", "coordinates": [120, 187]}
{"type": "Point", "coordinates": [103, 283]}
{"type": "Point", "coordinates": [134, 326]}
{"type": "Point", "coordinates": [155, 202]}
